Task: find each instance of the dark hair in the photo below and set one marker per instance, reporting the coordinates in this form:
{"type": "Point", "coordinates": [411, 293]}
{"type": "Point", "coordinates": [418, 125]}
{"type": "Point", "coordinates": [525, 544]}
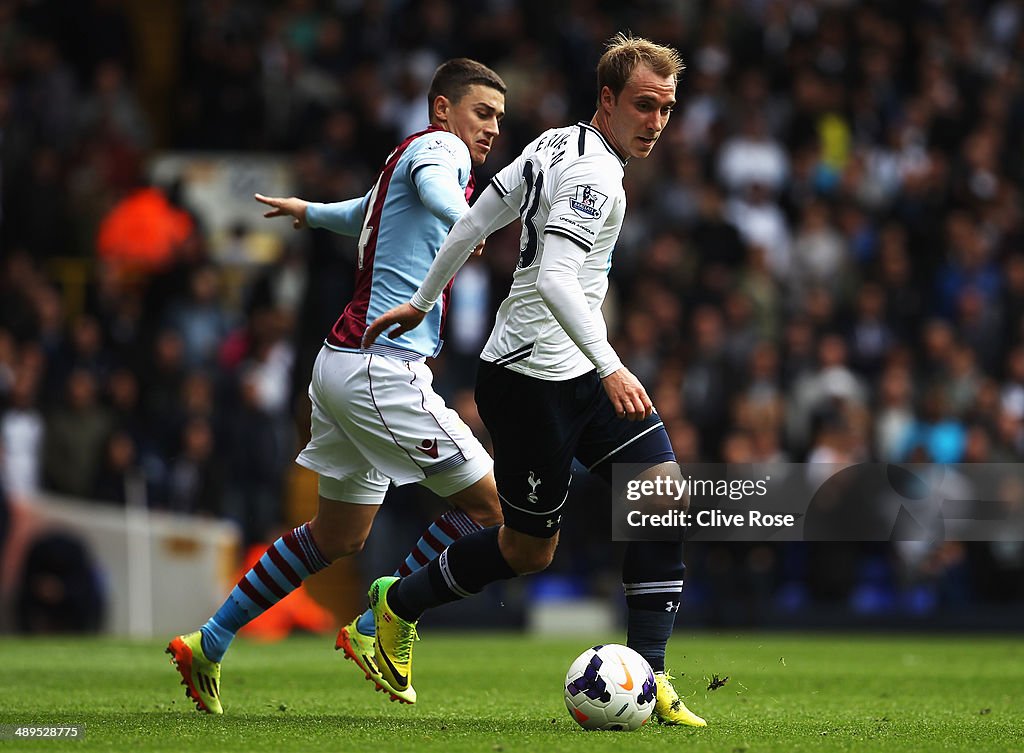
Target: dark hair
{"type": "Point", "coordinates": [624, 52]}
{"type": "Point", "coordinates": [453, 78]}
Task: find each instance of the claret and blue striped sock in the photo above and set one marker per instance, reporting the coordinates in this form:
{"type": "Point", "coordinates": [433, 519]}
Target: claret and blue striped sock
{"type": "Point", "coordinates": [451, 526]}
{"type": "Point", "coordinates": [282, 568]}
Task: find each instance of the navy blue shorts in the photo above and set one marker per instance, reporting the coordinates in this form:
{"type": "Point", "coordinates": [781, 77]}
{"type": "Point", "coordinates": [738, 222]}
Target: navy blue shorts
{"type": "Point", "coordinates": [539, 426]}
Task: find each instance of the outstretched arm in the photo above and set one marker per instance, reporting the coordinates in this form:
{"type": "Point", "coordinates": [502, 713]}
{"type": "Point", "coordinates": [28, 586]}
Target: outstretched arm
{"type": "Point", "coordinates": [487, 215]}
{"type": "Point", "coordinates": [342, 217]}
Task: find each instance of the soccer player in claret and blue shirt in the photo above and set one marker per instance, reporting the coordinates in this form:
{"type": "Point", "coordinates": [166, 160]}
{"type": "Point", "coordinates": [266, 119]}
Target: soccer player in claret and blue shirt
{"type": "Point", "coordinates": [376, 419]}
{"type": "Point", "coordinates": [550, 388]}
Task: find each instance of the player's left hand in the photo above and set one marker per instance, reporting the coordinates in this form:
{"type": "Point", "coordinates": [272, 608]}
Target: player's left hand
{"type": "Point", "coordinates": [405, 315]}
{"type": "Point", "coordinates": [479, 250]}
{"type": "Point", "coordinates": [627, 396]}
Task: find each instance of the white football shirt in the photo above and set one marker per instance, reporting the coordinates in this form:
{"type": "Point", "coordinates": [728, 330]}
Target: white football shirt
{"type": "Point", "coordinates": [567, 182]}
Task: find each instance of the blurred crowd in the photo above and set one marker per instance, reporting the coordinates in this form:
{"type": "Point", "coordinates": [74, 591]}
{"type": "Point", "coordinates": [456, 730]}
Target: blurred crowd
{"type": "Point", "coordinates": [822, 261]}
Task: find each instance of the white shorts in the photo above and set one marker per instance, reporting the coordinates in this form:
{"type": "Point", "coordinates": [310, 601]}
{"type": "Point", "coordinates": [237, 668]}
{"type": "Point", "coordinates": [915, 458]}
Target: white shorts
{"type": "Point", "coordinates": [376, 420]}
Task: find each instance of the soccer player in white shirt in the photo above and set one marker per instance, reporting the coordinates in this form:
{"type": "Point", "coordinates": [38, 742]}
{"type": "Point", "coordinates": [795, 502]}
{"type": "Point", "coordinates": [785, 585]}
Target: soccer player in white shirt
{"type": "Point", "coordinates": [550, 386]}
{"type": "Point", "coordinates": [376, 419]}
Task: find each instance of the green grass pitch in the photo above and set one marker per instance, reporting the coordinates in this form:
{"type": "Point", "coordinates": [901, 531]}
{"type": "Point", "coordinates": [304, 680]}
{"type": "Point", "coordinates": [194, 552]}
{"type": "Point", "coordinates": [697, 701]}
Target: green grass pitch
{"type": "Point", "coordinates": [504, 693]}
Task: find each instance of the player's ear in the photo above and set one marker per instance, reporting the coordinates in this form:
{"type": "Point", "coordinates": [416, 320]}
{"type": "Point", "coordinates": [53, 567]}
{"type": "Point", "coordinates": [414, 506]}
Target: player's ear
{"type": "Point", "coordinates": [439, 109]}
{"type": "Point", "coordinates": [607, 98]}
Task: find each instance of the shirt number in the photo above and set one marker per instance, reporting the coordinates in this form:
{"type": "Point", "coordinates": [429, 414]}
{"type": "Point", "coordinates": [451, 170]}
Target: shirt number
{"type": "Point", "coordinates": [534, 183]}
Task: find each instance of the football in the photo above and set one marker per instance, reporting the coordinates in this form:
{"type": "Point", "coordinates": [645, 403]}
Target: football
{"type": "Point", "coordinates": [610, 687]}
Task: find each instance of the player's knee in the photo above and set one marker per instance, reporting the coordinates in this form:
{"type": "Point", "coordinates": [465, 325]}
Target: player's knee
{"type": "Point", "coordinates": [480, 502]}
{"type": "Point", "coordinates": [487, 516]}
{"type": "Point", "coordinates": [526, 554]}
{"type": "Point", "coordinates": [485, 512]}
{"type": "Point", "coordinates": [526, 561]}
{"type": "Point", "coordinates": [670, 471]}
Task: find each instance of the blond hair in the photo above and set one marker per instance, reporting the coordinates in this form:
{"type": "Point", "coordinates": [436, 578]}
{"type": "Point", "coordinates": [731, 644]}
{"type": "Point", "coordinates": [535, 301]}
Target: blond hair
{"type": "Point", "coordinates": [624, 52]}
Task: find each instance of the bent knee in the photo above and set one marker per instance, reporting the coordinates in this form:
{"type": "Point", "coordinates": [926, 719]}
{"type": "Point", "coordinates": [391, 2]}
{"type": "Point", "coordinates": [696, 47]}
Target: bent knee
{"type": "Point", "coordinates": [485, 512]}
{"type": "Point", "coordinates": [487, 517]}
{"type": "Point", "coordinates": [670, 470]}
{"type": "Point", "coordinates": [532, 562]}
{"type": "Point", "coordinates": [527, 555]}
{"type": "Point", "coordinates": [480, 502]}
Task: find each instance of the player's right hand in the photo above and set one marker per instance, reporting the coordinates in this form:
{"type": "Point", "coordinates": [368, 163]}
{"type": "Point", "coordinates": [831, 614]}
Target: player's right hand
{"type": "Point", "coordinates": [405, 315]}
{"type": "Point", "coordinates": [627, 395]}
{"type": "Point", "coordinates": [290, 207]}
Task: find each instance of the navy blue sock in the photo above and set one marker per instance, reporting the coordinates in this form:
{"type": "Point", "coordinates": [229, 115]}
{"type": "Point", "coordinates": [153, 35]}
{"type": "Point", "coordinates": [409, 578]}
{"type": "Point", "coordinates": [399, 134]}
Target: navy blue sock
{"type": "Point", "coordinates": [463, 569]}
{"type": "Point", "coordinates": [652, 577]}
{"type": "Point", "coordinates": [647, 633]}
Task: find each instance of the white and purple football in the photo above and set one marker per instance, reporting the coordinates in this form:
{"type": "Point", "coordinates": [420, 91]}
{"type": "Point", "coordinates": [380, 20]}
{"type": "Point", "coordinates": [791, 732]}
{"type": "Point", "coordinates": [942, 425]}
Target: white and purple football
{"type": "Point", "coordinates": [610, 687]}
